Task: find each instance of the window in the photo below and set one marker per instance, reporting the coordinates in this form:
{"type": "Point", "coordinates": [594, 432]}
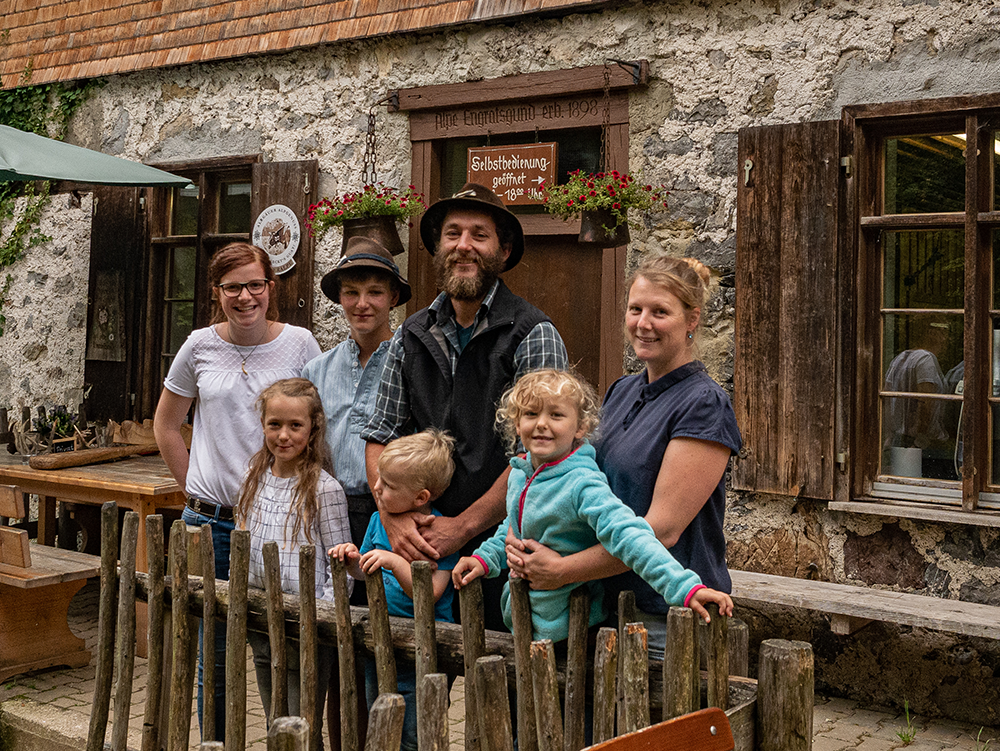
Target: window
{"type": "Point", "coordinates": [868, 318]}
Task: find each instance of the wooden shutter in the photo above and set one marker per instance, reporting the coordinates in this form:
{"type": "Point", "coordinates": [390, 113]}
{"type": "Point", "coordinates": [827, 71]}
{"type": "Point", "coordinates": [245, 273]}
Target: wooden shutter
{"type": "Point", "coordinates": [114, 309]}
{"type": "Point", "coordinates": [787, 308]}
{"type": "Point", "coordinates": [292, 184]}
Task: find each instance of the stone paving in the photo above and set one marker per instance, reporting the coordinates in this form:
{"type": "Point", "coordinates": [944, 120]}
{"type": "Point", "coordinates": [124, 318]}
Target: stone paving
{"type": "Point", "coordinates": [63, 698]}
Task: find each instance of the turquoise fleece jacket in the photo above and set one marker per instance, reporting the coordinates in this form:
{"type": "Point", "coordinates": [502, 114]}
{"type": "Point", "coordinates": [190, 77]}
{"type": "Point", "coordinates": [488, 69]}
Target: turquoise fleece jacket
{"type": "Point", "coordinates": [568, 506]}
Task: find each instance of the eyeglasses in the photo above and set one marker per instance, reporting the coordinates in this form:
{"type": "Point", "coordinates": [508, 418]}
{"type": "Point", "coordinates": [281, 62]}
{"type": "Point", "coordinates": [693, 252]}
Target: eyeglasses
{"type": "Point", "coordinates": [235, 289]}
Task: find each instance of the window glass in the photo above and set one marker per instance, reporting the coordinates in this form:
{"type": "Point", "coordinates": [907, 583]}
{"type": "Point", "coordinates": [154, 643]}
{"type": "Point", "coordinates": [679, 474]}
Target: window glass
{"type": "Point", "coordinates": [924, 174]}
{"type": "Point", "coordinates": [178, 310]}
{"type": "Point", "coordinates": [184, 217]}
{"type": "Point", "coordinates": [922, 352]}
{"type": "Point", "coordinates": [996, 171]}
{"type": "Point", "coordinates": [234, 207]}
{"type": "Point", "coordinates": [578, 148]}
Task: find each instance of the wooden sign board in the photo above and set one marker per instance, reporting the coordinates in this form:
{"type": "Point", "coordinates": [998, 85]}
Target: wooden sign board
{"type": "Point", "coordinates": [515, 172]}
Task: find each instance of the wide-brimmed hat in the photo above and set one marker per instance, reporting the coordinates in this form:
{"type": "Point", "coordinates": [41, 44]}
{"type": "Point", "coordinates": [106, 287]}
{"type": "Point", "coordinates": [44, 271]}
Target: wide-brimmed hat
{"type": "Point", "coordinates": [477, 198]}
{"type": "Point", "coordinates": [362, 252]}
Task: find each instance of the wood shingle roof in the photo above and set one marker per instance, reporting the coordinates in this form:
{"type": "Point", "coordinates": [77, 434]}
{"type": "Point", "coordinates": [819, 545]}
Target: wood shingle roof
{"type": "Point", "coordinates": [63, 40]}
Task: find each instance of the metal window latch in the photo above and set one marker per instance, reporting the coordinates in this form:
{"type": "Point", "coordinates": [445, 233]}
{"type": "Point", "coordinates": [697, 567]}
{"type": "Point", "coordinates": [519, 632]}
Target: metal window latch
{"type": "Point", "coordinates": [305, 186]}
{"type": "Point", "coordinates": [747, 166]}
{"type": "Point", "coordinates": [847, 163]}
{"type": "Point", "coordinates": [842, 460]}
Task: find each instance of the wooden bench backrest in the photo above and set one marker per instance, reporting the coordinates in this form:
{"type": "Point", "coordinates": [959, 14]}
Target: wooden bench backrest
{"type": "Point", "coordinates": [15, 549]}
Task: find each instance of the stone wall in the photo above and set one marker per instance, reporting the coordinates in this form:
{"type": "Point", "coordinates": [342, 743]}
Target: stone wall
{"type": "Point", "coordinates": [716, 67]}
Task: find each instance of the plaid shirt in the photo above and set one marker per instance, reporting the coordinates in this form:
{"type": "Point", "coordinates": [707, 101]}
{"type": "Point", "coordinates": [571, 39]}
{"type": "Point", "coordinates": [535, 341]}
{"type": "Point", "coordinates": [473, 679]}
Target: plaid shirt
{"type": "Point", "coordinates": [541, 348]}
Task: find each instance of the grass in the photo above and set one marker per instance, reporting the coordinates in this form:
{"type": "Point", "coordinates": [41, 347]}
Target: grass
{"type": "Point", "coordinates": [982, 745]}
{"type": "Point", "coordinates": [907, 733]}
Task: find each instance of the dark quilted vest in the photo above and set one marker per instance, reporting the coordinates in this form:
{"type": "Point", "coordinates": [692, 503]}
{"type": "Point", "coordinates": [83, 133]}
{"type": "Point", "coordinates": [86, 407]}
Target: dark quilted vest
{"type": "Point", "coordinates": [465, 404]}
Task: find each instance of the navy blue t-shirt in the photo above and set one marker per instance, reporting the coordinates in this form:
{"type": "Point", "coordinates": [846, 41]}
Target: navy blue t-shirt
{"type": "Point", "coordinates": [638, 421]}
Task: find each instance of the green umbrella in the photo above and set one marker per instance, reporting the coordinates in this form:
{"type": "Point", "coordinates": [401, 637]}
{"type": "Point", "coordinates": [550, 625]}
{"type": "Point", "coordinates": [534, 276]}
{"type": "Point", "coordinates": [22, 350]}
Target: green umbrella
{"type": "Point", "coordinates": [27, 156]}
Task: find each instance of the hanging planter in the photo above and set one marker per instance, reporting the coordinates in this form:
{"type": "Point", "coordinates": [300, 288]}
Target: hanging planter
{"type": "Point", "coordinates": [371, 212]}
{"type": "Point", "coordinates": [602, 200]}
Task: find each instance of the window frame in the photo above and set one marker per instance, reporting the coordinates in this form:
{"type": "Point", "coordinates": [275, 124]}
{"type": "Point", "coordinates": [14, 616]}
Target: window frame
{"type": "Point", "coordinates": [867, 126]}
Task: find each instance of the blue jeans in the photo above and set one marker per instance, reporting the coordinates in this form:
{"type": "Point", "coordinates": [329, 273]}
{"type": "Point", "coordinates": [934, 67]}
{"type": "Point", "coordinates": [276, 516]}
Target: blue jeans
{"type": "Point", "coordinates": [221, 531]}
{"type": "Point", "coordinates": [406, 686]}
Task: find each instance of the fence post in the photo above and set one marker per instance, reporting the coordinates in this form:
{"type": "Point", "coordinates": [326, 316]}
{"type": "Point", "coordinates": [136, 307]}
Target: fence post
{"type": "Point", "coordinates": [496, 733]}
{"type": "Point", "coordinates": [154, 676]}
{"type": "Point", "coordinates": [717, 658]}
{"type": "Point", "coordinates": [680, 664]}
{"type": "Point", "coordinates": [288, 734]}
{"type": "Point", "coordinates": [308, 652]}
{"type": "Point", "coordinates": [345, 656]}
{"type": "Point", "coordinates": [470, 600]}
{"type": "Point", "coordinates": [432, 722]}
{"type": "Point", "coordinates": [105, 627]}
{"type": "Point", "coordinates": [424, 643]}
{"type": "Point", "coordinates": [236, 640]}
{"type": "Point", "coordinates": [545, 686]}
{"type": "Point", "coordinates": [181, 680]}
{"type": "Point", "coordinates": [739, 648]}
{"type": "Point", "coordinates": [378, 614]}
{"type": "Point", "coordinates": [574, 732]}
{"type": "Point", "coordinates": [125, 642]}
{"type": "Point", "coordinates": [276, 631]}
{"type": "Point", "coordinates": [520, 607]}
{"type": "Point", "coordinates": [605, 675]}
{"type": "Point", "coordinates": [626, 614]}
{"type": "Point", "coordinates": [785, 696]}
{"type": "Point", "coordinates": [385, 723]}
{"type": "Point", "coordinates": [208, 626]}
{"type": "Point", "coordinates": [635, 675]}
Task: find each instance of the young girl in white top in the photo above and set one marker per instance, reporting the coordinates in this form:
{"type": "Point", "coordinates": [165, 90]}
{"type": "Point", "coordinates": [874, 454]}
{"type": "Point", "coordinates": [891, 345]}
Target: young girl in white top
{"type": "Point", "coordinates": [288, 497]}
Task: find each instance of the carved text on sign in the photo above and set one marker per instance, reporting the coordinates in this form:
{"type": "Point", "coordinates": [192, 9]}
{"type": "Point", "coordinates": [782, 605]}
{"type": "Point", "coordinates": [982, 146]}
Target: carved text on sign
{"type": "Point", "coordinates": [516, 172]}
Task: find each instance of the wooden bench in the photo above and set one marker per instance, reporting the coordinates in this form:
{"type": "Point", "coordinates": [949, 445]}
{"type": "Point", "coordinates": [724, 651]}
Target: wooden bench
{"type": "Point", "coordinates": [36, 585]}
{"type": "Point", "coordinates": [851, 608]}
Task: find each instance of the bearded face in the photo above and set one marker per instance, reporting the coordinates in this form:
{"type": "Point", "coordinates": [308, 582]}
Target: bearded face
{"type": "Point", "coordinates": [469, 257]}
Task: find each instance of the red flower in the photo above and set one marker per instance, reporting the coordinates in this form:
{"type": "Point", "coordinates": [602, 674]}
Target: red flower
{"type": "Point", "coordinates": [593, 192]}
{"type": "Point", "coordinates": [616, 205]}
{"type": "Point", "coordinates": [570, 202]}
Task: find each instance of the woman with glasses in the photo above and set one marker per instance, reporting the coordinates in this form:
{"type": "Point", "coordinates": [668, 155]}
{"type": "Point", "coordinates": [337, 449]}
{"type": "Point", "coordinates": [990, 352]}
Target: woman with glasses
{"type": "Point", "coordinates": [221, 369]}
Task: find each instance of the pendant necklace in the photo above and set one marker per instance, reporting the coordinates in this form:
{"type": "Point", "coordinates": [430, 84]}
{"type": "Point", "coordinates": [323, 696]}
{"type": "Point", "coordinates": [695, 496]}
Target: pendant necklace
{"type": "Point", "coordinates": [248, 354]}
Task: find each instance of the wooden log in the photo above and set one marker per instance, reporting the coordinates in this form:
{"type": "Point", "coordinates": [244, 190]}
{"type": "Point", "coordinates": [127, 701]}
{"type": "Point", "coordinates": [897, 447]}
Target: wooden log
{"type": "Point", "coordinates": [154, 676]}
{"type": "Point", "coordinates": [345, 654]}
{"type": "Point", "coordinates": [470, 600]}
{"type": "Point", "coordinates": [181, 680]}
{"type": "Point", "coordinates": [378, 610]}
{"type": "Point", "coordinates": [308, 654]}
{"type": "Point", "coordinates": [520, 609]}
{"type": "Point", "coordinates": [208, 678]}
{"type": "Point", "coordinates": [125, 642]}
{"type": "Point", "coordinates": [574, 730]}
{"type": "Point", "coordinates": [385, 723]}
{"type": "Point", "coordinates": [236, 639]}
{"type": "Point", "coordinates": [785, 697]}
{"type": "Point", "coordinates": [423, 623]}
{"type": "Point", "coordinates": [276, 631]}
{"type": "Point", "coordinates": [495, 732]}
{"type": "Point", "coordinates": [605, 677]}
{"type": "Point", "coordinates": [432, 721]}
{"type": "Point", "coordinates": [288, 734]}
{"type": "Point", "coordinates": [717, 659]}
{"type": "Point", "coordinates": [87, 456]}
{"type": "Point", "coordinates": [545, 687]}
{"type": "Point", "coordinates": [680, 664]}
{"type": "Point", "coordinates": [105, 627]}
{"type": "Point", "coordinates": [635, 674]}
{"type": "Point", "coordinates": [626, 614]}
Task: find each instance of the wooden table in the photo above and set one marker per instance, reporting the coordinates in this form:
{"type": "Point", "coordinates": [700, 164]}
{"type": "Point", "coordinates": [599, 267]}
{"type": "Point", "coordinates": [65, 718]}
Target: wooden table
{"type": "Point", "coordinates": [142, 484]}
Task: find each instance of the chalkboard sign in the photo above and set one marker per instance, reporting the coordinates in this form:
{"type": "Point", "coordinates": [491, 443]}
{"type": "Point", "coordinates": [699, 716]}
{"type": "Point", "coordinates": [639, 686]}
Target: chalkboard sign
{"type": "Point", "coordinates": [514, 172]}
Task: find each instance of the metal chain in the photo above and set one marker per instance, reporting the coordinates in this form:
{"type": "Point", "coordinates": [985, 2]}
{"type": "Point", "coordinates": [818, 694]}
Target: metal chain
{"type": "Point", "coordinates": [368, 166]}
{"type": "Point", "coordinates": [606, 121]}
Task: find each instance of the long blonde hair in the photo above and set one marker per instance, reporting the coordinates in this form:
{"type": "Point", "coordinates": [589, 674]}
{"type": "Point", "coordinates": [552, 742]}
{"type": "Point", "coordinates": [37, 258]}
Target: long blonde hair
{"type": "Point", "coordinates": [304, 506]}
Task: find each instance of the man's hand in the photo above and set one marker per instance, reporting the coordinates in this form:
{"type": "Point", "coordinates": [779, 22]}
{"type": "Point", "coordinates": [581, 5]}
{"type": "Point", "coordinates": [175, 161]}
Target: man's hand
{"type": "Point", "coordinates": [446, 534]}
{"type": "Point", "coordinates": [404, 532]}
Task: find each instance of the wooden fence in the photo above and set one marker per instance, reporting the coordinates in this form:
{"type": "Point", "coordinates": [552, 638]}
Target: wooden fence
{"type": "Point", "coordinates": [627, 689]}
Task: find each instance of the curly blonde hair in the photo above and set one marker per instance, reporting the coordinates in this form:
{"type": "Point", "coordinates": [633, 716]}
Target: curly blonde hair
{"type": "Point", "coordinates": [420, 461]}
{"type": "Point", "coordinates": [531, 391]}
{"type": "Point", "coordinates": [314, 457]}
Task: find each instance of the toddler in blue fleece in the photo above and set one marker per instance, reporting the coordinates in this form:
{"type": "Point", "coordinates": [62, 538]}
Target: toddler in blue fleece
{"type": "Point", "coordinates": [557, 495]}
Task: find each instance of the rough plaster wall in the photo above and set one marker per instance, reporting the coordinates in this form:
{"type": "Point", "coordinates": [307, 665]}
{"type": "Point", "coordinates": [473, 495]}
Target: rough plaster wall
{"type": "Point", "coordinates": [716, 67]}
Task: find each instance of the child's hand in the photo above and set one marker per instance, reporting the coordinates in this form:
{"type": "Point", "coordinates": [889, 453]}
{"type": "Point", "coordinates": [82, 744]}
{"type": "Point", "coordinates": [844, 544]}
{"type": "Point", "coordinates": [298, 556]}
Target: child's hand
{"type": "Point", "coordinates": [704, 596]}
{"type": "Point", "coordinates": [466, 570]}
{"type": "Point", "coordinates": [375, 559]}
{"type": "Point", "coordinates": [347, 552]}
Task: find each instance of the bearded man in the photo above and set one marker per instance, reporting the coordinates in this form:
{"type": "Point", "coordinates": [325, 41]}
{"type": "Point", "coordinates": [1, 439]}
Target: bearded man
{"type": "Point", "coordinates": [447, 367]}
